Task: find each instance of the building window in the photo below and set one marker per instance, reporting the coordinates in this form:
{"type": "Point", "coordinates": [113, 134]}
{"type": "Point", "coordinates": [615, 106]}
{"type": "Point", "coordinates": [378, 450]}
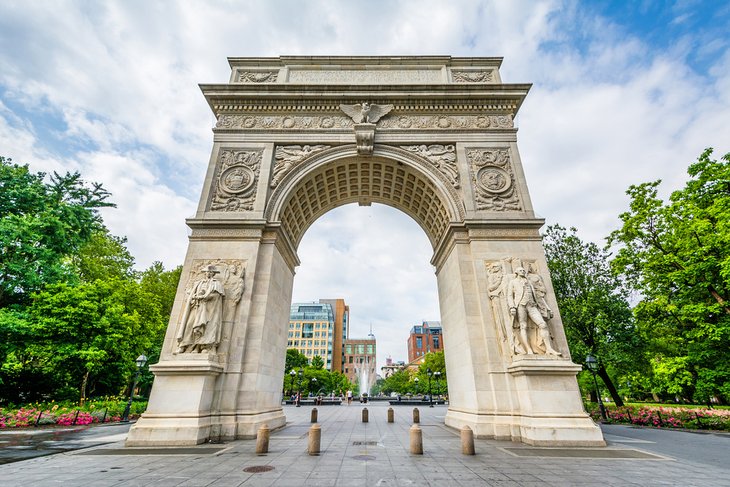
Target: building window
{"type": "Point", "coordinates": [350, 359]}
{"type": "Point", "coordinates": [419, 342]}
{"type": "Point", "coordinates": [370, 349]}
{"type": "Point", "coordinates": [436, 342]}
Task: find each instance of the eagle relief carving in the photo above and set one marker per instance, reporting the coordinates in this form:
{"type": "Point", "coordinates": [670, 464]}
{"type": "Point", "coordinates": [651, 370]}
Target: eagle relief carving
{"type": "Point", "coordinates": [365, 112]}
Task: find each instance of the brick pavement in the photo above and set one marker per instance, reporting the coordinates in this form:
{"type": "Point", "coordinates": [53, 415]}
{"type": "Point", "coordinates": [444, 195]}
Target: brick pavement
{"type": "Point", "coordinates": [356, 454]}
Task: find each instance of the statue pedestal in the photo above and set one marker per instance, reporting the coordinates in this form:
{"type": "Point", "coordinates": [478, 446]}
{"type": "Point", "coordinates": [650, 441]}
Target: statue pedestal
{"type": "Point", "coordinates": [179, 409]}
{"type": "Point", "coordinates": [541, 407]}
{"type": "Point", "coordinates": [550, 405]}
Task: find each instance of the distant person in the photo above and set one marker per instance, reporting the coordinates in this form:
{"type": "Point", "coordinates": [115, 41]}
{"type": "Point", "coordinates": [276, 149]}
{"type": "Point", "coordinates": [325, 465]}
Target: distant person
{"type": "Point", "coordinates": [349, 397]}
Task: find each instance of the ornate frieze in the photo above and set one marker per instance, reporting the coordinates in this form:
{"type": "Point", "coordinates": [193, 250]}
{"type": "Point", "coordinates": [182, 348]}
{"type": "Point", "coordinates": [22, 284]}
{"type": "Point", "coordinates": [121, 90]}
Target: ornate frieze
{"type": "Point", "coordinates": [257, 76]}
{"type": "Point", "coordinates": [517, 296]}
{"type": "Point", "coordinates": [235, 182]}
{"type": "Point", "coordinates": [393, 122]}
{"type": "Point", "coordinates": [447, 122]}
{"type": "Point", "coordinates": [493, 180]}
{"type": "Point", "coordinates": [288, 156]}
{"type": "Point", "coordinates": [472, 76]}
{"type": "Point", "coordinates": [293, 122]}
{"type": "Point", "coordinates": [442, 157]}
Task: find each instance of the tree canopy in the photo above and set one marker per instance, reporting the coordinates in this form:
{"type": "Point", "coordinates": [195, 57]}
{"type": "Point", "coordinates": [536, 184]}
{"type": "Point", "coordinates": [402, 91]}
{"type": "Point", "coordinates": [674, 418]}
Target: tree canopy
{"type": "Point", "coordinates": [677, 255]}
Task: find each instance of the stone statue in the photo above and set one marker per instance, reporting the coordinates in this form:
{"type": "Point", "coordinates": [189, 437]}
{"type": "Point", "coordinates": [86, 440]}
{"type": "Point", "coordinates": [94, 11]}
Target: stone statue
{"type": "Point", "coordinates": [287, 156]}
{"type": "Point", "coordinates": [365, 112]}
{"type": "Point", "coordinates": [203, 316]}
{"type": "Point", "coordinates": [525, 302]}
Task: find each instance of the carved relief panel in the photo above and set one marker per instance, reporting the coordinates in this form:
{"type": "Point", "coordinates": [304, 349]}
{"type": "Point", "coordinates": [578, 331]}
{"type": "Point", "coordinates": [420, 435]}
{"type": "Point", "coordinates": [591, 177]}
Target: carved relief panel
{"type": "Point", "coordinates": [212, 293]}
{"type": "Point", "coordinates": [288, 156]}
{"type": "Point", "coordinates": [442, 157]}
{"type": "Point", "coordinates": [493, 180]}
{"type": "Point", "coordinates": [234, 184]}
{"type": "Point", "coordinates": [517, 296]}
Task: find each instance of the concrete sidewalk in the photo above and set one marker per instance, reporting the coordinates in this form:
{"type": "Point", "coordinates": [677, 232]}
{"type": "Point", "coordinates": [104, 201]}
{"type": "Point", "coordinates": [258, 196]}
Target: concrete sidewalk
{"type": "Point", "coordinates": [361, 454]}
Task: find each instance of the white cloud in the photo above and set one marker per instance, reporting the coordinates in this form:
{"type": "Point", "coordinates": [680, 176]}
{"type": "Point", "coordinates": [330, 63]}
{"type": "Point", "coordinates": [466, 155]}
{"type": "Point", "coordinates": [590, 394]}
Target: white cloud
{"type": "Point", "coordinates": [110, 89]}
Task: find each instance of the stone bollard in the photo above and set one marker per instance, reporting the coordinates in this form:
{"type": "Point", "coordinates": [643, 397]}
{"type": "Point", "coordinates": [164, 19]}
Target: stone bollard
{"type": "Point", "coordinates": [315, 435]}
{"type": "Point", "coordinates": [262, 440]}
{"type": "Point", "coordinates": [313, 418]}
{"type": "Point", "coordinates": [390, 415]}
{"type": "Point", "coordinates": [364, 415]}
{"type": "Point", "coordinates": [416, 440]}
{"type": "Point", "coordinates": [416, 415]}
{"type": "Point", "coordinates": [467, 441]}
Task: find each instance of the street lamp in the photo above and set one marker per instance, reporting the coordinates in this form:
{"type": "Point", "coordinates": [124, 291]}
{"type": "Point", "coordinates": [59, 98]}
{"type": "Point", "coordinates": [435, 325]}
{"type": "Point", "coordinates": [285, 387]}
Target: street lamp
{"type": "Point", "coordinates": [592, 365]}
{"type": "Point", "coordinates": [299, 388]}
{"type": "Point", "coordinates": [141, 361]}
{"type": "Point", "coordinates": [416, 381]}
{"type": "Point", "coordinates": [437, 376]}
{"type": "Point", "coordinates": [313, 389]}
{"type": "Point", "coordinates": [430, 396]}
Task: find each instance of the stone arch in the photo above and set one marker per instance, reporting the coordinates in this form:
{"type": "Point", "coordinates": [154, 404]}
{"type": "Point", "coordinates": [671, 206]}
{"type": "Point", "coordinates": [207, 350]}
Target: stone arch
{"type": "Point", "coordinates": [397, 111]}
{"type": "Point", "coordinates": [338, 176]}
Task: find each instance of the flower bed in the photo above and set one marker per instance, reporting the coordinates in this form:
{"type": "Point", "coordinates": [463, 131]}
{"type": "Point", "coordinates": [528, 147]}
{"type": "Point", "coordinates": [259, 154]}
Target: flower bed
{"type": "Point", "coordinates": [666, 417]}
{"type": "Point", "coordinates": [68, 414]}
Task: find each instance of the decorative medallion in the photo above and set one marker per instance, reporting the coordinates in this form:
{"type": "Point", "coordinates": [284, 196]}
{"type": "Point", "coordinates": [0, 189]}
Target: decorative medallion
{"type": "Point", "coordinates": [235, 182]}
{"type": "Point", "coordinates": [442, 157]}
{"type": "Point", "coordinates": [288, 156]}
{"type": "Point", "coordinates": [493, 180]}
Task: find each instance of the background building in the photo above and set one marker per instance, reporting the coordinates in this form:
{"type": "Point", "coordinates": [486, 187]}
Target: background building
{"type": "Point", "coordinates": [359, 361]}
{"type": "Point", "coordinates": [391, 367]}
{"type": "Point", "coordinates": [424, 338]}
{"type": "Point", "coordinates": [319, 329]}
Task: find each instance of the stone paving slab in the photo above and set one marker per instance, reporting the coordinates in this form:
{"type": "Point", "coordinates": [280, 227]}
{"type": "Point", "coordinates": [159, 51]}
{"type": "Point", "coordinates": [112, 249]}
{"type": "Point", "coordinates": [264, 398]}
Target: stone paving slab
{"type": "Point", "coordinates": [358, 454]}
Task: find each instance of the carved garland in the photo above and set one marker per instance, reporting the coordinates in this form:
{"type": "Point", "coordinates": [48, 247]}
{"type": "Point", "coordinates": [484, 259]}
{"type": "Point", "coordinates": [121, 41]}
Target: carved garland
{"type": "Point", "coordinates": [443, 158]}
{"type": "Point", "coordinates": [493, 180]}
{"type": "Point", "coordinates": [472, 76]}
{"type": "Point", "coordinates": [394, 122]}
{"type": "Point", "coordinates": [235, 181]}
{"type": "Point", "coordinates": [257, 76]}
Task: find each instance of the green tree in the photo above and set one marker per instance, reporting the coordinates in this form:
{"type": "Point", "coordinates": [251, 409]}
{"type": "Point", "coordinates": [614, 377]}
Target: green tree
{"type": "Point", "coordinates": [677, 255]}
{"type": "Point", "coordinates": [294, 360]}
{"type": "Point", "coordinates": [400, 383]}
{"type": "Point", "coordinates": [317, 362]}
{"type": "Point", "coordinates": [103, 256]}
{"type": "Point", "coordinates": [593, 303]}
{"type": "Point", "coordinates": [41, 225]}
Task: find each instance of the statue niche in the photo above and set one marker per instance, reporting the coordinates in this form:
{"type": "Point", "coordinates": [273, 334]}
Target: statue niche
{"type": "Point", "coordinates": [517, 296]}
{"type": "Point", "coordinates": [211, 297]}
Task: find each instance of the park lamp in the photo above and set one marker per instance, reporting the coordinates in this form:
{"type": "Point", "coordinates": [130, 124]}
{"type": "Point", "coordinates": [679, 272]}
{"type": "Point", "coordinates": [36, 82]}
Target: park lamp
{"type": "Point", "coordinates": [416, 381]}
{"type": "Point", "coordinates": [141, 361]}
{"type": "Point", "coordinates": [592, 365]}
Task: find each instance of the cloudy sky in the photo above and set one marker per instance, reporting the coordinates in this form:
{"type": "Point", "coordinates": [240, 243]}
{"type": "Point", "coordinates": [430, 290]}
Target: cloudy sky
{"type": "Point", "coordinates": [623, 92]}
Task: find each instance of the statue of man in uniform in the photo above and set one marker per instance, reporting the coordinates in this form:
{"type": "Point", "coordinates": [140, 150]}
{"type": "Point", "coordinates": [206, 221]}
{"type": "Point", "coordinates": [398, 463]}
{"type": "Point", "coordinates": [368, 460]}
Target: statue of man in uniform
{"type": "Point", "coordinates": [523, 304]}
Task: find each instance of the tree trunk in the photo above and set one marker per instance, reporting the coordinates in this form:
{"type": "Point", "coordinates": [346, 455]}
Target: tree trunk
{"type": "Point", "coordinates": [611, 388]}
{"type": "Point", "coordinates": [82, 399]}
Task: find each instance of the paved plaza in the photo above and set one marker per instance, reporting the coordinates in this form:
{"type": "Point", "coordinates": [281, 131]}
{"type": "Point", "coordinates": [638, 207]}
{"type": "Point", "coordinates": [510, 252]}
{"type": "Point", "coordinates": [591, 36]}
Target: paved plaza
{"type": "Point", "coordinates": [376, 453]}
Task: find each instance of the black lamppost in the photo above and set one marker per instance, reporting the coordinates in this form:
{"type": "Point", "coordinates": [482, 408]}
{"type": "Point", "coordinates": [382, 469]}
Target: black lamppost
{"type": "Point", "coordinates": [291, 374]}
{"type": "Point", "coordinates": [416, 381]}
{"type": "Point", "coordinates": [430, 396]}
{"type": "Point", "coordinates": [299, 388]}
{"type": "Point", "coordinates": [437, 376]}
{"type": "Point", "coordinates": [141, 360]}
{"type": "Point", "coordinates": [313, 389]}
{"type": "Point", "coordinates": [592, 365]}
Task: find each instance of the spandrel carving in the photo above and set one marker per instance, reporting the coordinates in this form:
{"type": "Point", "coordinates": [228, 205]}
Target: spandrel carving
{"type": "Point", "coordinates": [517, 295]}
{"type": "Point", "coordinates": [212, 294]}
{"type": "Point", "coordinates": [442, 157]}
{"type": "Point", "coordinates": [235, 181]}
{"type": "Point", "coordinates": [288, 156]}
{"type": "Point", "coordinates": [257, 76]}
{"type": "Point", "coordinates": [493, 180]}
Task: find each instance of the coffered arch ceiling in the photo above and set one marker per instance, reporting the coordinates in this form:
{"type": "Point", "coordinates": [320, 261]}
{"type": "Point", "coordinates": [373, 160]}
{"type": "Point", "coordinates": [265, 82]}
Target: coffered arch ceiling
{"type": "Point", "coordinates": [339, 176]}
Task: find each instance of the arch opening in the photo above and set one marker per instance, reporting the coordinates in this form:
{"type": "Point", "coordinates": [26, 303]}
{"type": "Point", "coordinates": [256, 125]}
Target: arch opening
{"type": "Point", "coordinates": [328, 183]}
